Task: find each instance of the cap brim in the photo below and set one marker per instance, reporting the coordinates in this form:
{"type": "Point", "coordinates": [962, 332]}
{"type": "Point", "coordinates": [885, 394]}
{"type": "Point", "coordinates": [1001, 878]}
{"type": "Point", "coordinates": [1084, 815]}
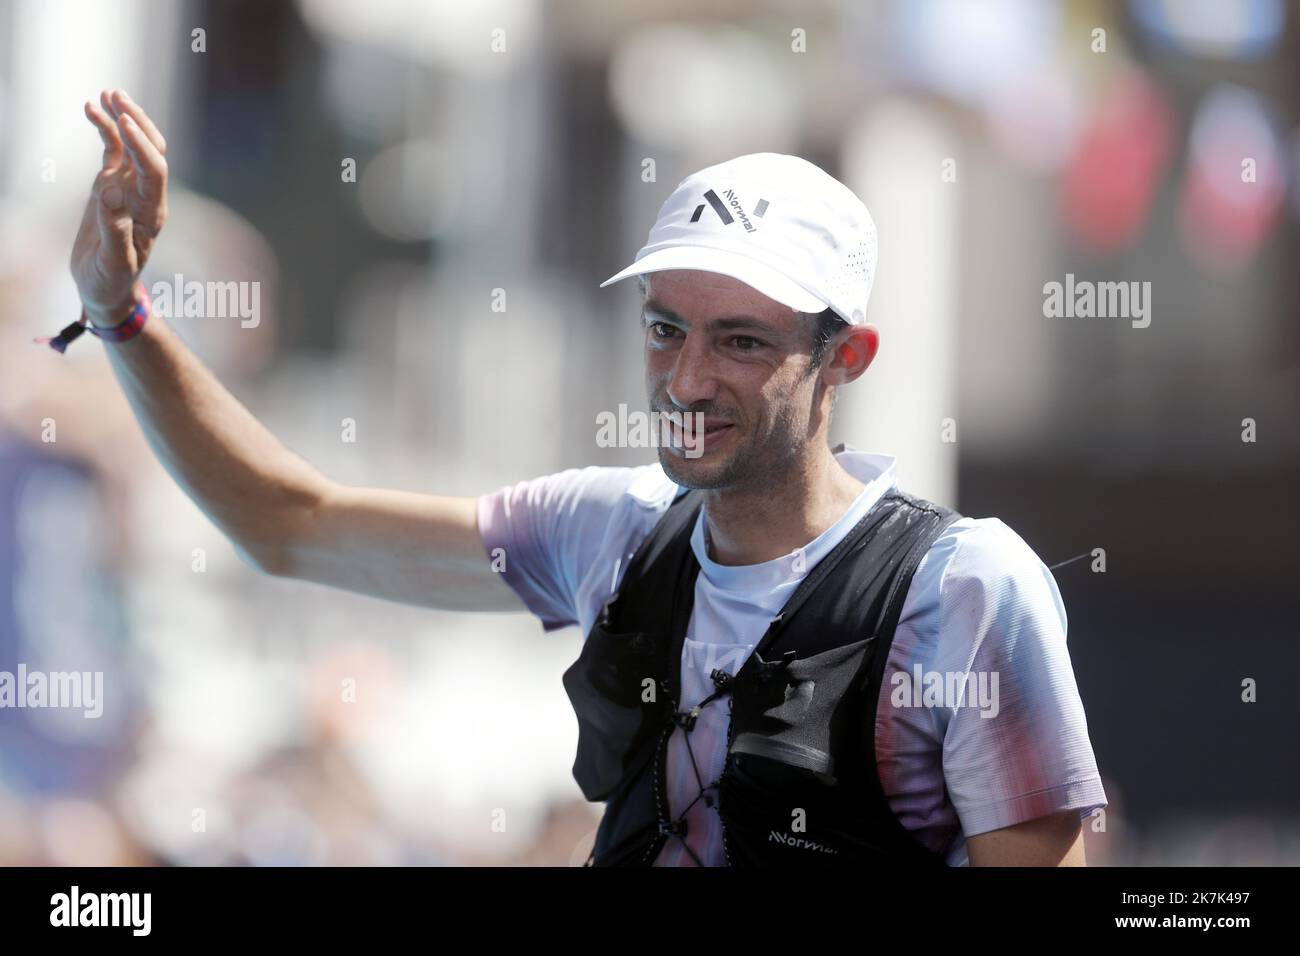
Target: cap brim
{"type": "Point", "coordinates": [771, 283]}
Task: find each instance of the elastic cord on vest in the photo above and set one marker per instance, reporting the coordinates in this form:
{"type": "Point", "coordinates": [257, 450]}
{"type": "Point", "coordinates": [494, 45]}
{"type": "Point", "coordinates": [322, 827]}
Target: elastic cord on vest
{"type": "Point", "coordinates": [686, 721]}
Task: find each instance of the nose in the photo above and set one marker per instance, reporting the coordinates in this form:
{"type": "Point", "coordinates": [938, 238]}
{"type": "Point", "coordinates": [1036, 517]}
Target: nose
{"type": "Point", "coordinates": [693, 376]}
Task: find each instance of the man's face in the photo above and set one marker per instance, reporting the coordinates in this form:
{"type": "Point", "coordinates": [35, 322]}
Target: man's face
{"type": "Point", "coordinates": [717, 346]}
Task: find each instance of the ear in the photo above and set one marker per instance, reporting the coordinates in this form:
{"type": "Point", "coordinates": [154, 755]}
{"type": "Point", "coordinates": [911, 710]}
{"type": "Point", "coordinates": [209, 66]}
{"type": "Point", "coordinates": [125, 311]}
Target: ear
{"type": "Point", "coordinates": [849, 353]}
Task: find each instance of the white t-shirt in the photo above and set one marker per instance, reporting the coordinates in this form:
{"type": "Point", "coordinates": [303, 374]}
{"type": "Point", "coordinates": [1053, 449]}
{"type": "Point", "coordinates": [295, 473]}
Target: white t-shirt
{"type": "Point", "coordinates": [980, 603]}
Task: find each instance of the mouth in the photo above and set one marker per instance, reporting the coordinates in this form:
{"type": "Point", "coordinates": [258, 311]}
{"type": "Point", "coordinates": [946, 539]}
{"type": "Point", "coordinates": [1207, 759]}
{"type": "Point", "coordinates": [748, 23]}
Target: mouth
{"type": "Point", "coordinates": [693, 443]}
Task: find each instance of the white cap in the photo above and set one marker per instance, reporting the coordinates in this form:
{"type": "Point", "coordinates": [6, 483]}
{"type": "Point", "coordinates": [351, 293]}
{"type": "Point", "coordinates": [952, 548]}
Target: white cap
{"type": "Point", "coordinates": [775, 222]}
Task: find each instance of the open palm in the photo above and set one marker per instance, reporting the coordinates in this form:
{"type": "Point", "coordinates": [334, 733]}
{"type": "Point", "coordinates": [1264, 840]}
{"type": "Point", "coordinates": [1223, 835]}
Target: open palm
{"type": "Point", "coordinates": [126, 209]}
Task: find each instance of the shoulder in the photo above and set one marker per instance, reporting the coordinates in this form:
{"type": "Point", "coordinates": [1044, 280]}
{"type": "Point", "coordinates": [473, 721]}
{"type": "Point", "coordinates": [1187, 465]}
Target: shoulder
{"type": "Point", "coordinates": [592, 487]}
{"type": "Point", "coordinates": [994, 566]}
{"type": "Point", "coordinates": [566, 533]}
{"type": "Point", "coordinates": [981, 575]}
{"type": "Point", "coordinates": [988, 550]}
{"type": "Point", "coordinates": [578, 508]}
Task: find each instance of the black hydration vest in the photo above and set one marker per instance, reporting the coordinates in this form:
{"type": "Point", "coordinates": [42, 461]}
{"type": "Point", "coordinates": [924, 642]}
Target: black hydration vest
{"type": "Point", "coordinates": [799, 785]}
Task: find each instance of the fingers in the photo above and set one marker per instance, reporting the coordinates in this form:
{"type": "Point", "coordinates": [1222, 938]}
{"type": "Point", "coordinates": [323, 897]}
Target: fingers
{"type": "Point", "coordinates": [124, 104]}
{"type": "Point", "coordinates": [106, 101]}
{"type": "Point", "coordinates": [124, 211]}
{"type": "Point", "coordinates": [107, 132]}
{"type": "Point", "coordinates": [150, 167]}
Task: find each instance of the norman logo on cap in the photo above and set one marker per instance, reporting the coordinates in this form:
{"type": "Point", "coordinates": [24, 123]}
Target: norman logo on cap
{"type": "Point", "coordinates": [725, 214]}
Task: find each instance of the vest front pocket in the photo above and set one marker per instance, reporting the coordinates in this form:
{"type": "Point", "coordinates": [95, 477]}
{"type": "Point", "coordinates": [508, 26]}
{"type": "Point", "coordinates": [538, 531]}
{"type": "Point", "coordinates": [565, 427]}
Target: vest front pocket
{"type": "Point", "coordinates": [781, 797]}
{"type": "Point", "coordinates": [618, 705]}
{"type": "Point", "coordinates": [792, 712]}
{"type": "Point", "coordinates": [776, 807]}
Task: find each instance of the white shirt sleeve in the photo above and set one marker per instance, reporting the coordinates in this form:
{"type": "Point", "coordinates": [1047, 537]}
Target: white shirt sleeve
{"type": "Point", "coordinates": [551, 532]}
{"type": "Point", "coordinates": [1027, 753]}
{"type": "Point", "coordinates": [983, 603]}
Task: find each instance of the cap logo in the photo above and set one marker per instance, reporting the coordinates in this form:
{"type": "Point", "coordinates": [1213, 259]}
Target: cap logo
{"type": "Point", "coordinates": [725, 214]}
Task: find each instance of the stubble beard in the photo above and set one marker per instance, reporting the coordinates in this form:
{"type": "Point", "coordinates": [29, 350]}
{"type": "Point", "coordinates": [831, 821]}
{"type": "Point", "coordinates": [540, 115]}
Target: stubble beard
{"type": "Point", "coordinates": [751, 466]}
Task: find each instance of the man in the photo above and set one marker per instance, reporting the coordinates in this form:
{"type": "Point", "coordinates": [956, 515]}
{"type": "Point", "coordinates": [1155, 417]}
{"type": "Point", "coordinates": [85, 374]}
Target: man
{"type": "Point", "coordinates": [789, 661]}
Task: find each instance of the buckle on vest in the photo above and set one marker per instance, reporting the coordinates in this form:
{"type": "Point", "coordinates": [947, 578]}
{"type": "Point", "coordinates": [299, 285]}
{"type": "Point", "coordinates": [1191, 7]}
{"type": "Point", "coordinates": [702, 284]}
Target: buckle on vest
{"type": "Point", "coordinates": [605, 617]}
{"type": "Point", "coordinates": [686, 718]}
{"type": "Point", "coordinates": [672, 828]}
{"type": "Point", "coordinates": [767, 669]}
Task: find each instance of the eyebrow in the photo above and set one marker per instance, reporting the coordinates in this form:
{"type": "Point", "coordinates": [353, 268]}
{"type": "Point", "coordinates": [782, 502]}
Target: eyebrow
{"type": "Point", "coordinates": [660, 313]}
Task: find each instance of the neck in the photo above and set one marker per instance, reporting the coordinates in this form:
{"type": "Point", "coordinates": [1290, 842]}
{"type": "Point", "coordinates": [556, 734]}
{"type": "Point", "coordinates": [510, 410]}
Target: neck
{"type": "Point", "coordinates": [750, 526]}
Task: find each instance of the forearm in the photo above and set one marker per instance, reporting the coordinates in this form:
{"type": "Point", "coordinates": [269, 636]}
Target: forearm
{"type": "Point", "coordinates": [402, 546]}
{"type": "Point", "coordinates": [254, 489]}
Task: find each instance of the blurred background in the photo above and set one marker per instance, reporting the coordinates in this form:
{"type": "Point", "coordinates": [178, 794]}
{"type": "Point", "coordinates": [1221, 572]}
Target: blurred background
{"type": "Point", "coordinates": [525, 147]}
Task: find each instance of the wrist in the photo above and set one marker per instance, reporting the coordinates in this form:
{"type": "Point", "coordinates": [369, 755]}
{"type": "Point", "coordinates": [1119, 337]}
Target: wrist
{"type": "Point", "coordinates": [106, 325]}
{"type": "Point", "coordinates": [103, 317]}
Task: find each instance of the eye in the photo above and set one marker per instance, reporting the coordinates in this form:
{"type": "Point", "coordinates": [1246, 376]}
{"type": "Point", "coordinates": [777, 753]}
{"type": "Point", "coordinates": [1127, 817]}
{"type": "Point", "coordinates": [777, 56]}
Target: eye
{"type": "Point", "coordinates": [746, 343]}
{"type": "Point", "coordinates": [662, 330]}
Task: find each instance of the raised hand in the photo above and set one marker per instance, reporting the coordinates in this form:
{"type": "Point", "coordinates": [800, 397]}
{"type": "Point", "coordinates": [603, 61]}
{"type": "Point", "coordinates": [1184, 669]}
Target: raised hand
{"type": "Point", "coordinates": [126, 209]}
